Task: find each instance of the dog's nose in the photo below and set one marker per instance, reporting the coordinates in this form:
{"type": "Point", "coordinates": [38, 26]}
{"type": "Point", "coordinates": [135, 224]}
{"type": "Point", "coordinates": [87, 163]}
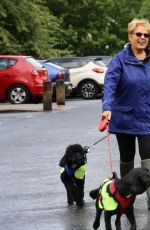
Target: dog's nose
{"type": "Point", "coordinates": [73, 166]}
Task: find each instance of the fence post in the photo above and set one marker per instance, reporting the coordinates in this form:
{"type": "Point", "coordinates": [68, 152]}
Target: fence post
{"type": "Point", "coordinates": [47, 95]}
{"type": "Point", "coordinates": [60, 92]}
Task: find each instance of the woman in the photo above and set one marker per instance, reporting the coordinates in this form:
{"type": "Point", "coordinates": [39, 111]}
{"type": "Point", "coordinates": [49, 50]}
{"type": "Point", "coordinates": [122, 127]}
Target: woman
{"type": "Point", "coordinates": [126, 100]}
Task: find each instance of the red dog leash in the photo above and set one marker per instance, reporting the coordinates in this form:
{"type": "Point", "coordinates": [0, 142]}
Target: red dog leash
{"type": "Point", "coordinates": [103, 125]}
{"type": "Point", "coordinates": [109, 149]}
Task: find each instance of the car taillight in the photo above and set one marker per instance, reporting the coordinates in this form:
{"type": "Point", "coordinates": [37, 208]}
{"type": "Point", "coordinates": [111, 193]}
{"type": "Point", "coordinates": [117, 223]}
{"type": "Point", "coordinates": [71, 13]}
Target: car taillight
{"type": "Point", "coordinates": [98, 70]}
{"type": "Point", "coordinates": [60, 75]}
{"type": "Point", "coordinates": [34, 72]}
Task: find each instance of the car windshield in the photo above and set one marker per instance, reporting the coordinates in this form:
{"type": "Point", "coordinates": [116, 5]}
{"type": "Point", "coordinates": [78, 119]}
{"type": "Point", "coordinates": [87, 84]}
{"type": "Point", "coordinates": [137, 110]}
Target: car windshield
{"type": "Point", "coordinates": [100, 63]}
{"type": "Point", "coordinates": [33, 62]}
{"type": "Point", "coordinates": [54, 66]}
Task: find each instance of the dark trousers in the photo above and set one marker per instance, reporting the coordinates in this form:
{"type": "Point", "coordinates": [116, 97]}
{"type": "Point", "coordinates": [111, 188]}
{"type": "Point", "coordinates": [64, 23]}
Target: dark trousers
{"type": "Point", "coordinates": [127, 146]}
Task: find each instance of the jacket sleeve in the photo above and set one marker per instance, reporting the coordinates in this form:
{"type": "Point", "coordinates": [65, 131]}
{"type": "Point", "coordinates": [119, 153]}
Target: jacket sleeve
{"type": "Point", "coordinates": [111, 82]}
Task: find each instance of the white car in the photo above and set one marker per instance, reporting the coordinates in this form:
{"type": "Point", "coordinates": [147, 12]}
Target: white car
{"type": "Point", "coordinates": [88, 80]}
{"type": "Point", "coordinates": [86, 75]}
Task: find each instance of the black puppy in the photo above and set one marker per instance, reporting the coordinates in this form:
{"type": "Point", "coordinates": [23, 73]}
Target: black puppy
{"type": "Point", "coordinates": [116, 196]}
{"type": "Point", "coordinates": [73, 165]}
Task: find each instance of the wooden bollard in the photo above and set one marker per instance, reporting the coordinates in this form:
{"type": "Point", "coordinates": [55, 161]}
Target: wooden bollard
{"type": "Point", "coordinates": [47, 95]}
{"type": "Point", "coordinates": [60, 92]}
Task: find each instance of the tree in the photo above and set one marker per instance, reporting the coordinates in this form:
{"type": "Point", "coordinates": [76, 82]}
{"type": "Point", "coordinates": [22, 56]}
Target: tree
{"type": "Point", "coordinates": [46, 28]}
{"type": "Point", "coordinates": [28, 28]}
{"type": "Point", "coordinates": [145, 9]}
{"type": "Point", "coordinates": [94, 27]}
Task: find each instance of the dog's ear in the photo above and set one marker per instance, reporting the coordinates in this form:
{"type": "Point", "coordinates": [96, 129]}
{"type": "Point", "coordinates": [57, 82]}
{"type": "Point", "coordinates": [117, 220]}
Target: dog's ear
{"type": "Point", "coordinates": [62, 161]}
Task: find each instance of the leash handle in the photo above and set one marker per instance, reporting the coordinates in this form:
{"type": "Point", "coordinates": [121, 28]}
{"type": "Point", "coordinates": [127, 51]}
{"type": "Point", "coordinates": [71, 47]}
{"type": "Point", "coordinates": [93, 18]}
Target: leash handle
{"type": "Point", "coordinates": [103, 124]}
{"type": "Point", "coordinates": [109, 149]}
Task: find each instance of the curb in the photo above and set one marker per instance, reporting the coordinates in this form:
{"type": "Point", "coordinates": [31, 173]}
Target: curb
{"type": "Point", "coordinates": [7, 108]}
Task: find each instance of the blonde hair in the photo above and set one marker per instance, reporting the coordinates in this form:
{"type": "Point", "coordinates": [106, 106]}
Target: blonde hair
{"type": "Point", "coordinates": [136, 22]}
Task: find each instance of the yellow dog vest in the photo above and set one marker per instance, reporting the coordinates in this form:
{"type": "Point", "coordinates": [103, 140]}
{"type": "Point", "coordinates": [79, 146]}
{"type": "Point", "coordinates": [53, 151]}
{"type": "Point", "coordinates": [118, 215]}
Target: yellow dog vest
{"type": "Point", "coordinates": [79, 173]}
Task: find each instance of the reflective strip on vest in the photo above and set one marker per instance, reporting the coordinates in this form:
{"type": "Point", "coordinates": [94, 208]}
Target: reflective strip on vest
{"type": "Point", "coordinates": [108, 203]}
{"type": "Point", "coordinates": [79, 173]}
{"type": "Point", "coordinates": [62, 169]}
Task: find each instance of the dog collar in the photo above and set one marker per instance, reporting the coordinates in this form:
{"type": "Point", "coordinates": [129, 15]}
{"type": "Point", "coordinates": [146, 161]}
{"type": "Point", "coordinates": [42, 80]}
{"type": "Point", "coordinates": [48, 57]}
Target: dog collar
{"type": "Point", "coordinates": [124, 202]}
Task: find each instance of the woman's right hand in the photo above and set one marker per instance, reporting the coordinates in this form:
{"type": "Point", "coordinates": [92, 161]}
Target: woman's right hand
{"type": "Point", "coordinates": [106, 114]}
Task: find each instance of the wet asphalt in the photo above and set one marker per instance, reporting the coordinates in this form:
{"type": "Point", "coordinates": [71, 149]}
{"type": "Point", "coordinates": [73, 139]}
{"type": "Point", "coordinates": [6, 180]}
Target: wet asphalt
{"type": "Point", "coordinates": [32, 196]}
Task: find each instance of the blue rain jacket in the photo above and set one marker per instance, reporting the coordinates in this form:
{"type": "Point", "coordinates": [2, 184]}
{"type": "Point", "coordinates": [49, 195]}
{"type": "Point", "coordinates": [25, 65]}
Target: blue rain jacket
{"type": "Point", "coordinates": [127, 93]}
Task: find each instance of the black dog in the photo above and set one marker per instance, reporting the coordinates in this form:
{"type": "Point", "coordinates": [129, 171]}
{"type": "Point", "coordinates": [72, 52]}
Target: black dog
{"type": "Point", "coordinates": [73, 168]}
{"type": "Point", "coordinates": [116, 196]}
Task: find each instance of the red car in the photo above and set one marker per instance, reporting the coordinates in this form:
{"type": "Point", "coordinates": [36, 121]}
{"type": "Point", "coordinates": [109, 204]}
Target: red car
{"type": "Point", "coordinates": [21, 78]}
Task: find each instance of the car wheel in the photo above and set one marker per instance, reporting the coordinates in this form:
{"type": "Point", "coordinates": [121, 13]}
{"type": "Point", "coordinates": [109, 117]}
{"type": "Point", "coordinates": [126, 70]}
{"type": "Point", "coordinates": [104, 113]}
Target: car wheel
{"type": "Point", "coordinates": [18, 94]}
{"type": "Point", "coordinates": [88, 90]}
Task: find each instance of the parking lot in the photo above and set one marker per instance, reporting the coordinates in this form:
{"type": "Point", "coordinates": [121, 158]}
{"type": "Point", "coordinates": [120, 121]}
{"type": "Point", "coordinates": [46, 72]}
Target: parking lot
{"type": "Point", "coordinates": [32, 143]}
